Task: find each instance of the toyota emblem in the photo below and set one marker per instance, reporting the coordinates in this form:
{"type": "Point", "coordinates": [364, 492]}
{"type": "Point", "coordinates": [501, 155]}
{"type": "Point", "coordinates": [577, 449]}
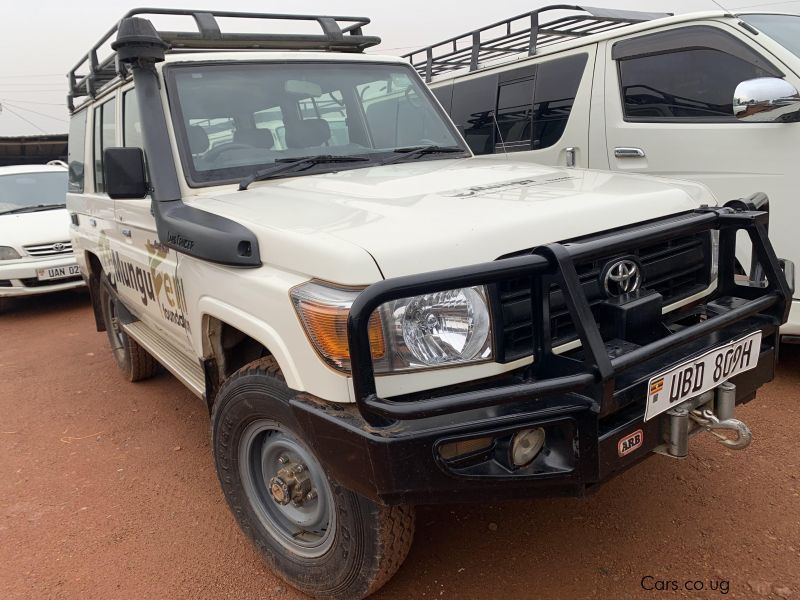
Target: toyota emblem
{"type": "Point", "coordinates": [58, 247]}
{"type": "Point", "coordinates": [622, 276]}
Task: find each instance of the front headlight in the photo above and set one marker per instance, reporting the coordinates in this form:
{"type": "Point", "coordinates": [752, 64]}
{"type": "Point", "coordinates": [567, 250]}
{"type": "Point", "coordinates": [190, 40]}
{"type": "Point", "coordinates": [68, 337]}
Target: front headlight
{"type": "Point", "coordinates": [448, 328]}
{"type": "Point", "coordinates": [441, 329]}
{"type": "Point", "coordinates": [8, 253]}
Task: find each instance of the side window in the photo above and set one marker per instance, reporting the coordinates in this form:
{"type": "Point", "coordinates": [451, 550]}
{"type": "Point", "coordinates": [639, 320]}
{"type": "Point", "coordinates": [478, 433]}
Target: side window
{"type": "Point", "coordinates": [105, 136]}
{"type": "Point", "coordinates": [514, 115]}
{"type": "Point", "coordinates": [557, 83]}
{"type": "Point", "coordinates": [131, 121]}
{"type": "Point", "coordinates": [77, 150]}
{"type": "Point", "coordinates": [473, 111]}
{"type": "Point", "coordinates": [683, 74]}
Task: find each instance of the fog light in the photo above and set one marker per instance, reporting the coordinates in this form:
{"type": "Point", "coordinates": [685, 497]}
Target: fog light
{"type": "Point", "coordinates": [463, 447]}
{"type": "Point", "coordinates": [526, 445]}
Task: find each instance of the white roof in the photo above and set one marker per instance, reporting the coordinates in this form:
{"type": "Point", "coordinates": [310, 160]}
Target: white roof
{"type": "Point", "coordinates": [16, 169]}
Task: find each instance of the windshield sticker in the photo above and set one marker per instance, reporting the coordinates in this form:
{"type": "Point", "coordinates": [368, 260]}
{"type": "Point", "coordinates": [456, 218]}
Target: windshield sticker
{"type": "Point", "coordinates": [480, 190]}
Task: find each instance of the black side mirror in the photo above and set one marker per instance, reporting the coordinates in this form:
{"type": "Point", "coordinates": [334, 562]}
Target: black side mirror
{"type": "Point", "coordinates": [124, 173]}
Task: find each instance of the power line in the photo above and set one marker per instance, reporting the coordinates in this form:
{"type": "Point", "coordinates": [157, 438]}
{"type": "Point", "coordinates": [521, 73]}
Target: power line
{"type": "Point", "coordinates": [32, 75]}
{"type": "Point", "coordinates": [32, 102]}
{"type": "Point", "coordinates": [41, 114]}
{"type": "Point", "coordinates": [19, 116]}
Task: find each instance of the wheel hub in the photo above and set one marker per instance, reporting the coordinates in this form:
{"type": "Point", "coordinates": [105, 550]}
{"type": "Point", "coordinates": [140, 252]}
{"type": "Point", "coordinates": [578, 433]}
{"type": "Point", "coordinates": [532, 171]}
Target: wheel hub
{"type": "Point", "coordinates": [291, 484]}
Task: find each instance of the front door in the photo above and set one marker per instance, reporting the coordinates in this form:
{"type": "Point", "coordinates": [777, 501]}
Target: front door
{"type": "Point", "coordinates": [669, 112]}
{"type": "Point", "coordinates": [144, 270]}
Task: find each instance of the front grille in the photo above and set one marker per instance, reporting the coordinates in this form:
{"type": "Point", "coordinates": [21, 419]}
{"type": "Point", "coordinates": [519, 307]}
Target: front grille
{"type": "Point", "coordinates": [32, 282]}
{"type": "Point", "coordinates": [51, 249]}
{"type": "Point", "coordinates": [676, 269]}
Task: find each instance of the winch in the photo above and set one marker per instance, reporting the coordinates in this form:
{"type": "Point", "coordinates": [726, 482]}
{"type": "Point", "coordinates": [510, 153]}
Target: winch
{"type": "Point", "coordinates": [712, 411]}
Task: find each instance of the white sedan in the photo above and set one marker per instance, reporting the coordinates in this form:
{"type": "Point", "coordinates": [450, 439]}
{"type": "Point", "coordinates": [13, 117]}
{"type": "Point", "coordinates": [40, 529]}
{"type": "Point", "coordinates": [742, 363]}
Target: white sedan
{"type": "Point", "coordinates": [35, 252]}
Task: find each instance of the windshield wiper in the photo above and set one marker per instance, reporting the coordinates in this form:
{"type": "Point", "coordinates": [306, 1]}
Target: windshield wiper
{"type": "Point", "coordinates": [27, 209]}
{"type": "Point", "coordinates": [417, 151]}
{"type": "Point", "coordinates": [283, 165]}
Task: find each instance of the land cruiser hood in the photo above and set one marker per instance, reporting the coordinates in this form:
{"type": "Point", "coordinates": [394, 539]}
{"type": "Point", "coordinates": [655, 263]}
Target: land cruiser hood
{"type": "Point", "coordinates": [428, 215]}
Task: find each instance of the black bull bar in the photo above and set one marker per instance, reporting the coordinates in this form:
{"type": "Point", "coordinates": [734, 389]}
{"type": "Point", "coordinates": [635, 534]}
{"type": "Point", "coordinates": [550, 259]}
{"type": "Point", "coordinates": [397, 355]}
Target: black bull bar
{"type": "Point", "coordinates": [551, 373]}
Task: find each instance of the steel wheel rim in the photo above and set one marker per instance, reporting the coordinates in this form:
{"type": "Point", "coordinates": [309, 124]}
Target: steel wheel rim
{"type": "Point", "coordinates": [305, 530]}
{"type": "Point", "coordinates": [116, 334]}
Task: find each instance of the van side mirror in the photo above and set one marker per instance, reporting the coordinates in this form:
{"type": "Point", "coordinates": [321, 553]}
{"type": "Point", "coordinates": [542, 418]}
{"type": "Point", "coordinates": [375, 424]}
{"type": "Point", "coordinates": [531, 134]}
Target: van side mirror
{"type": "Point", "coordinates": [124, 173]}
{"type": "Point", "coordinates": [766, 100]}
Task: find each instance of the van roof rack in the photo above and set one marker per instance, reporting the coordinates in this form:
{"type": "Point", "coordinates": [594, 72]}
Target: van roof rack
{"type": "Point", "coordinates": [338, 34]}
{"type": "Point", "coordinates": [517, 35]}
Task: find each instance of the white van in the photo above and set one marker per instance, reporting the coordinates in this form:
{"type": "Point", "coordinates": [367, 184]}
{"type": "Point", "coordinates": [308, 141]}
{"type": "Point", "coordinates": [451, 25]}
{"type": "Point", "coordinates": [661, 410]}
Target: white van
{"type": "Point", "coordinates": [707, 96]}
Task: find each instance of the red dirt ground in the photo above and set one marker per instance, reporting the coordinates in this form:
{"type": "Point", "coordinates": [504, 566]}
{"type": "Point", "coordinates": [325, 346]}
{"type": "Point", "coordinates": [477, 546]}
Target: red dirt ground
{"type": "Point", "coordinates": [107, 490]}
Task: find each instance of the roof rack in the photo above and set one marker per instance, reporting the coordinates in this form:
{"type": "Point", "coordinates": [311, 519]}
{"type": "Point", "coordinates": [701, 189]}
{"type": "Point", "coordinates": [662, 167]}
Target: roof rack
{"type": "Point", "coordinates": [338, 34]}
{"type": "Point", "coordinates": [518, 35]}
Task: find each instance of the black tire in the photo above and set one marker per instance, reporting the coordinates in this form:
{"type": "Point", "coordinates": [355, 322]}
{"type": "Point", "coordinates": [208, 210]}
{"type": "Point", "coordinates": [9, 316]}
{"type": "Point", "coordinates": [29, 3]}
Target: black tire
{"type": "Point", "coordinates": [362, 545]}
{"type": "Point", "coordinates": [133, 360]}
{"type": "Point", "coordinates": [4, 304]}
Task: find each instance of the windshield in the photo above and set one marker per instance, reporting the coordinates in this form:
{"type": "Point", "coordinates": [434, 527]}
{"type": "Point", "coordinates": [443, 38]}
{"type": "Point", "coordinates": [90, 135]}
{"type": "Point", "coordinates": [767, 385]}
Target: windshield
{"type": "Point", "coordinates": [23, 190]}
{"type": "Point", "coordinates": [235, 119]}
{"type": "Point", "coordinates": [784, 29]}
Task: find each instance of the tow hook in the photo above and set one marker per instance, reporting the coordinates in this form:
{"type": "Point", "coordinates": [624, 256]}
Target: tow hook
{"type": "Point", "coordinates": [709, 421]}
{"type": "Point", "coordinates": [712, 412]}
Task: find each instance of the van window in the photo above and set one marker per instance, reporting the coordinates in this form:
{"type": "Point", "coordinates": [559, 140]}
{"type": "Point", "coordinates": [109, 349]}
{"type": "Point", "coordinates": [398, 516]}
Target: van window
{"type": "Point", "coordinates": [105, 136]}
{"type": "Point", "coordinates": [472, 110]}
{"type": "Point", "coordinates": [515, 115]}
{"type": "Point", "coordinates": [131, 122]}
{"type": "Point", "coordinates": [76, 152]}
{"type": "Point", "coordinates": [692, 83]}
{"type": "Point", "coordinates": [557, 83]}
{"type": "Point", "coordinates": [522, 109]}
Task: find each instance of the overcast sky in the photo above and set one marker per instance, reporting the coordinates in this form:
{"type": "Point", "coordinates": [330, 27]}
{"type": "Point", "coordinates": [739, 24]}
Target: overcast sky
{"type": "Point", "coordinates": [40, 40]}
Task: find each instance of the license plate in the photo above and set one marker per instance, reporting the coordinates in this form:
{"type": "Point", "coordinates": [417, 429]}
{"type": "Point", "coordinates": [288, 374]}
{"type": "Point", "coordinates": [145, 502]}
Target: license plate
{"type": "Point", "coordinates": [49, 273]}
{"type": "Point", "coordinates": [697, 376]}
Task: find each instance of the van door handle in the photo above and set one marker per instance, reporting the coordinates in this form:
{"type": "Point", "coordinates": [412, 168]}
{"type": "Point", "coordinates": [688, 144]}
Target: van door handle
{"type": "Point", "coordinates": [126, 232]}
{"type": "Point", "coordinates": [570, 155]}
{"type": "Point", "coordinates": [629, 152]}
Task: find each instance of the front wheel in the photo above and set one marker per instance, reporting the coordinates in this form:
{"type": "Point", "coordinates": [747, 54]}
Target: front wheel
{"type": "Point", "coordinates": [318, 536]}
{"type": "Point", "coordinates": [133, 360]}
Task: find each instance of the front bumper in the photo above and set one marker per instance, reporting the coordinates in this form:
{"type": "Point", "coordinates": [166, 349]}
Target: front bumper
{"type": "Point", "coordinates": [20, 277]}
{"type": "Point", "coordinates": [587, 400]}
{"type": "Point", "coordinates": [401, 463]}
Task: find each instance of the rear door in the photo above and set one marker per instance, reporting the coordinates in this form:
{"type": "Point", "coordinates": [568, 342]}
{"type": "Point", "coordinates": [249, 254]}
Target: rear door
{"type": "Point", "coordinates": [539, 109]}
{"type": "Point", "coordinates": [668, 100]}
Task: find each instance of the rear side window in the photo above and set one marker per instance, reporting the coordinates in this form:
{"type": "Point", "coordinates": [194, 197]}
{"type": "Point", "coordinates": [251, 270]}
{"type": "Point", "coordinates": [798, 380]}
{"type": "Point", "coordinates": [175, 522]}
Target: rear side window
{"type": "Point", "coordinates": [77, 151]}
{"type": "Point", "coordinates": [557, 83]}
{"type": "Point", "coordinates": [105, 136]}
{"type": "Point", "coordinates": [685, 74]}
{"type": "Point", "coordinates": [521, 109]}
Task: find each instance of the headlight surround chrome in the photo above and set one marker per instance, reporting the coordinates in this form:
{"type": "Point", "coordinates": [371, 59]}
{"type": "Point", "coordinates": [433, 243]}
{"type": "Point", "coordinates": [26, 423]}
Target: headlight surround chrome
{"type": "Point", "coordinates": [8, 253]}
{"type": "Point", "coordinates": [443, 329]}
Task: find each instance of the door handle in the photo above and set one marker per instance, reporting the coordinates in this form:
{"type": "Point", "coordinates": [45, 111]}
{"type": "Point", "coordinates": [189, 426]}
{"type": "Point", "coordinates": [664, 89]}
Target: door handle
{"type": "Point", "coordinates": [126, 232]}
{"type": "Point", "coordinates": [629, 153]}
{"type": "Point", "coordinates": [570, 156]}
{"type": "Point", "coordinates": [93, 222]}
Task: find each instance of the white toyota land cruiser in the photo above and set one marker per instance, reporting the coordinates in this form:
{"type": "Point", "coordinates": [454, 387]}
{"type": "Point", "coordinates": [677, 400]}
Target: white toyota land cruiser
{"type": "Point", "coordinates": [375, 317]}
